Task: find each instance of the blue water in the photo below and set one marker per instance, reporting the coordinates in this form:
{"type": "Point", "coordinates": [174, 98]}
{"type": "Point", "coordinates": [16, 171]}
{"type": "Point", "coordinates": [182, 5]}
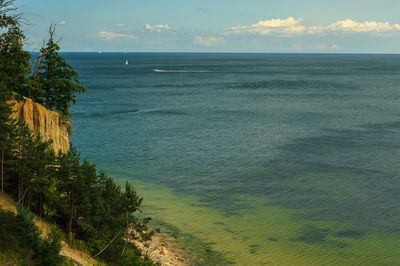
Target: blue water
{"type": "Point", "coordinates": [313, 133]}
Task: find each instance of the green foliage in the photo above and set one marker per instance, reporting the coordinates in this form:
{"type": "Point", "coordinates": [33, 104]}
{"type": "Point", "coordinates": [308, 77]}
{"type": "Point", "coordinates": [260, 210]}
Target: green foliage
{"type": "Point", "coordinates": [13, 250]}
{"type": "Point", "coordinates": [13, 68]}
{"type": "Point", "coordinates": [14, 60]}
{"type": "Point", "coordinates": [131, 200]}
{"type": "Point", "coordinates": [50, 248]}
{"type": "Point", "coordinates": [46, 251]}
{"type": "Point", "coordinates": [132, 256]}
{"type": "Point", "coordinates": [56, 78]}
{"type": "Point", "coordinates": [94, 208]}
{"type": "Point", "coordinates": [63, 189]}
{"type": "Point", "coordinates": [5, 112]}
{"type": "Point", "coordinates": [133, 259]}
{"type": "Point", "coordinates": [69, 191]}
{"type": "Point", "coordinates": [6, 127]}
{"type": "Point", "coordinates": [53, 81]}
{"type": "Point", "coordinates": [32, 165]}
{"type": "Point", "coordinates": [27, 229]}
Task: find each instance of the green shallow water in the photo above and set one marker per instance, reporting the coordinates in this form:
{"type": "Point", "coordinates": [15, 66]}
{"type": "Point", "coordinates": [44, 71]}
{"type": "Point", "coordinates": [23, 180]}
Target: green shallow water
{"type": "Point", "coordinates": [266, 234]}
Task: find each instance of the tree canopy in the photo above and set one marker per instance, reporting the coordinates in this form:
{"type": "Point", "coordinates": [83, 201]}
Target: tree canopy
{"type": "Point", "coordinates": [61, 188]}
{"type": "Point", "coordinates": [57, 80]}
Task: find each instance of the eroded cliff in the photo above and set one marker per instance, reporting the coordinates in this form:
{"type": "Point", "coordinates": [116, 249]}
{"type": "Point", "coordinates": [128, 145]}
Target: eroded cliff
{"type": "Point", "coordinates": [49, 124]}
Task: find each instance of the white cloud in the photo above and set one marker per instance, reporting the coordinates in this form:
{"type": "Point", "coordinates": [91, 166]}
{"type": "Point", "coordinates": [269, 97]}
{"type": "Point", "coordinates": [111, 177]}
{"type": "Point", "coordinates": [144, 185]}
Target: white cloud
{"type": "Point", "coordinates": [208, 41]}
{"type": "Point", "coordinates": [287, 26]}
{"type": "Point", "coordinates": [292, 26]}
{"type": "Point", "coordinates": [112, 35]}
{"type": "Point", "coordinates": [316, 47]}
{"type": "Point", "coordinates": [349, 25]}
{"type": "Point", "coordinates": [158, 28]}
{"type": "Point", "coordinates": [62, 22]}
{"type": "Point", "coordinates": [119, 25]}
{"type": "Point", "coordinates": [315, 29]}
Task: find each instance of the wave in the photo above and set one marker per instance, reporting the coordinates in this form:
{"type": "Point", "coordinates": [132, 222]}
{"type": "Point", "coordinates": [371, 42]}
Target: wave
{"type": "Point", "coordinates": [180, 71]}
{"type": "Point", "coordinates": [162, 111]}
{"type": "Point", "coordinates": [104, 114]}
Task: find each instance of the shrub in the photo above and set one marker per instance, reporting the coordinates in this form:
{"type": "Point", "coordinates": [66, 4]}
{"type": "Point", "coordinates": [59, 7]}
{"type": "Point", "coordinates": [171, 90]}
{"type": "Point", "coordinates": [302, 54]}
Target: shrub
{"type": "Point", "coordinates": [46, 251]}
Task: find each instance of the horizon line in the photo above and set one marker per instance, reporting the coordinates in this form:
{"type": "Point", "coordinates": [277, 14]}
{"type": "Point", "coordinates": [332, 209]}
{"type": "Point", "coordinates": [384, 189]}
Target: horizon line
{"type": "Point", "coordinates": [204, 52]}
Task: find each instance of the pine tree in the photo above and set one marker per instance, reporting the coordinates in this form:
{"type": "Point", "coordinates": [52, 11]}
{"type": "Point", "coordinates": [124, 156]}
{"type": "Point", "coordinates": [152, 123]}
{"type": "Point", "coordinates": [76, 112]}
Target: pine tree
{"type": "Point", "coordinates": [34, 171]}
{"type": "Point", "coordinates": [5, 128]}
{"type": "Point", "coordinates": [56, 77]}
{"type": "Point", "coordinates": [131, 202]}
{"type": "Point", "coordinates": [42, 187]}
{"type": "Point", "coordinates": [67, 173]}
{"type": "Point", "coordinates": [14, 60]}
{"type": "Point", "coordinates": [22, 138]}
{"type": "Point", "coordinates": [14, 66]}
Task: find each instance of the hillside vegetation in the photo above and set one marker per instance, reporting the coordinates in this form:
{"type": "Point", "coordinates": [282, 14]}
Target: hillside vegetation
{"type": "Point", "coordinates": [14, 249]}
{"type": "Point", "coordinates": [87, 208]}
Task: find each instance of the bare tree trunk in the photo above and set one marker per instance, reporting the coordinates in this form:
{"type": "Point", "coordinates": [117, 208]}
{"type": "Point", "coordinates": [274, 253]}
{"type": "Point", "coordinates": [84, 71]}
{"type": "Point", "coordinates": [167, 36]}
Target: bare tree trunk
{"type": "Point", "coordinates": [126, 243]}
{"type": "Point", "coordinates": [2, 173]}
{"type": "Point", "coordinates": [19, 180]}
{"type": "Point", "coordinates": [127, 223]}
{"type": "Point", "coordinates": [40, 207]}
{"type": "Point", "coordinates": [127, 232]}
{"type": "Point", "coordinates": [20, 185]}
{"type": "Point", "coordinates": [70, 221]}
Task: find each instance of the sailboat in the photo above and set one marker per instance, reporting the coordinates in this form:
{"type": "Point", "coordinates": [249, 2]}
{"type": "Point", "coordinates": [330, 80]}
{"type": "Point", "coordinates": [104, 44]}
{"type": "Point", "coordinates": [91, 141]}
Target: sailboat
{"type": "Point", "coordinates": [126, 62]}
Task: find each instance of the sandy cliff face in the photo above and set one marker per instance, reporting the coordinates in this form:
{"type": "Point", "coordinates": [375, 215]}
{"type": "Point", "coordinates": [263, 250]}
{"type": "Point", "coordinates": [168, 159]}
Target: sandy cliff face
{"type": "Point", "coordinates": [49, 124]}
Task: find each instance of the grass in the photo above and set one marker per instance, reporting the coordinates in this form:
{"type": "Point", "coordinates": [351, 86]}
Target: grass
{"type": "Point", "coordinates": [13, 250]}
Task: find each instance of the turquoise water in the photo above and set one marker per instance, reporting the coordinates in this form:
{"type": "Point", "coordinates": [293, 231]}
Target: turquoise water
{"type": "Point", "coordinates": [269, 158]}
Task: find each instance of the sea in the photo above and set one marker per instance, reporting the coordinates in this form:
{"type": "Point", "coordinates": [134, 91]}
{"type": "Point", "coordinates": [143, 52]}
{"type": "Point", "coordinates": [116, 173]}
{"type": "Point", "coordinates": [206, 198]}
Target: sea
{"type": "Point", "coordinates": [252, 159]}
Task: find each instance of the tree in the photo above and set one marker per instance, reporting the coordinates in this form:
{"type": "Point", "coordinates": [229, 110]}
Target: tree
{"type": "Point", "coordinates": [5, 128]}
{"type": "Point", "coordinates": [68, 171]}
{"type": "Point", "coordinates": [14, 66]}
{"type": "Point", "coordinates": [46, 251]}
{"type": "Point", "coordinates": [42, 187]}
{"type": "Point", "coordinates": [14, 60]}
{"type": "Point", "coordinates": [63, 189]}
{"type": "Point", "coordinates": [22, 141]}
{"type": "Point", "coordinates": [56, 77]}
{"type": "Point", "coordinates": [33, 170]}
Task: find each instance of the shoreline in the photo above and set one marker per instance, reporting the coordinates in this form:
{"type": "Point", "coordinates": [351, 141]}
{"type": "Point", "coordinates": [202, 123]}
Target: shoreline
{"type": "Point", "coordinates": [179, 242]}
{"type": "Point", "coordinates": [163, 249]}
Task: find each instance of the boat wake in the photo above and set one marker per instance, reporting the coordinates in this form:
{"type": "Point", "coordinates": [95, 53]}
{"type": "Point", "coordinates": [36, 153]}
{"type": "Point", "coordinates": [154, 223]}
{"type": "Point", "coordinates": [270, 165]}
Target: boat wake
{"type": "Point", "coordinates": [179, 71]}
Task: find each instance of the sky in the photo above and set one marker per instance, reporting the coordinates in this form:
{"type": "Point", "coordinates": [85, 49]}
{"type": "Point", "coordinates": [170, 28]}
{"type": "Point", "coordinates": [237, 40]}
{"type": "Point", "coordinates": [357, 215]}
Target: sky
{"type": "Point", "coordinates": [267, 26]}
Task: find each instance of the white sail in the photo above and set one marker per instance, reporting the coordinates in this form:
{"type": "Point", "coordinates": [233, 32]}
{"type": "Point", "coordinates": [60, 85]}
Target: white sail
{"type": "Point", "coordinates": [126, 62]}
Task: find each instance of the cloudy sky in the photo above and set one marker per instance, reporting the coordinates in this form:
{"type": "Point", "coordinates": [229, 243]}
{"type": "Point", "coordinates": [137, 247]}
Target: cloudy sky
{"type": "Point", "coordinates": [271, 26]}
